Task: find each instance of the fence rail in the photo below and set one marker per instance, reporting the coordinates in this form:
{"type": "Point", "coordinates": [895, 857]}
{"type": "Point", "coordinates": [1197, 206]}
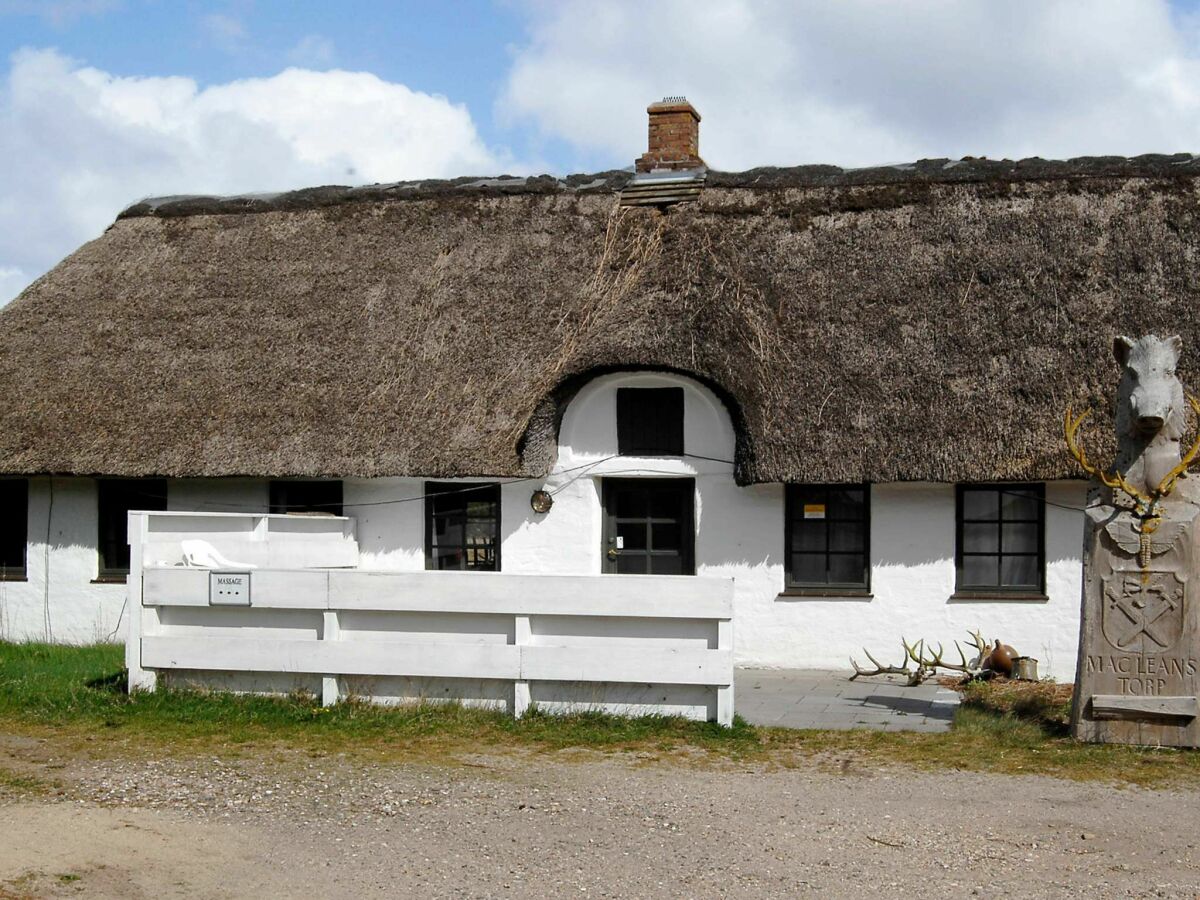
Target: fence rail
{"type": "Point", "coordinates": [628, 642]}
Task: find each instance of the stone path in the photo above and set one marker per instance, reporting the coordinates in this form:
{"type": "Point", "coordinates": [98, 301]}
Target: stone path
{"type": "Point", "coordinates": [812, 698]}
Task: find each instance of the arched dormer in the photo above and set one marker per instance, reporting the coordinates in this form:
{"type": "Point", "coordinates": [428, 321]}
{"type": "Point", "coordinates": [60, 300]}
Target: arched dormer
{"type": "Point", "coordinates": [576, 423]}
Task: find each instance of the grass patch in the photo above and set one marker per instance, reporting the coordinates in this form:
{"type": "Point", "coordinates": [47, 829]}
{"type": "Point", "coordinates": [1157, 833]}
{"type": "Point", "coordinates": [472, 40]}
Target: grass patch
{"type": "Point", "coordinates": [76, 691]}
{"type": "Point", "coordinates": [76, 695]}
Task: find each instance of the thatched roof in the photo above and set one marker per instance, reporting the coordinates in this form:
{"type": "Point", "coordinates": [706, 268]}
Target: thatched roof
{"type": "Point", "coordinates": [924, 322]}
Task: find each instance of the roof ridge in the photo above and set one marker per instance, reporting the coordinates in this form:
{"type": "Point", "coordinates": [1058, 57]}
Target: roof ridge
{"type": "Point", "coordinates": [941, 170]}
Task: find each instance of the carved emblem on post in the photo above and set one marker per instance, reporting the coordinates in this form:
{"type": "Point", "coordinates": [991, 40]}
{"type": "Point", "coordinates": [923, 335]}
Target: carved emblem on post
{"type": "Point", "coordinates": [1143, 611]}
{"type": "Point", "coordinates": [1136, 681]}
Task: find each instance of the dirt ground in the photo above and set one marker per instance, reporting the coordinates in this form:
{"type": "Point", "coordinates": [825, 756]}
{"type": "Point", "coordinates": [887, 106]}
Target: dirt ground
{"type": "Point", "coordinates": [575, 825]}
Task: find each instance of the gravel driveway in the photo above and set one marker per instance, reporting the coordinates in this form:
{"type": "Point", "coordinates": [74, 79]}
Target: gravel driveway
{"type": "Point", "coordinates": [572, 825]}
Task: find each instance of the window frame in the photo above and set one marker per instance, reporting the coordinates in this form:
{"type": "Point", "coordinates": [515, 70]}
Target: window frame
{"type": "Point", "coordinates": [999, 591]}
{"type": "Point", "coordinates": [431, 490]}
{"type": "Point", "coordinates": [791, 587]}
{"type": "Point", "coordinates": [18, 573]}
{"type": "Point", "coordinates": [628, 418]}
{"type": "Point", "coordinates": [152, 487]}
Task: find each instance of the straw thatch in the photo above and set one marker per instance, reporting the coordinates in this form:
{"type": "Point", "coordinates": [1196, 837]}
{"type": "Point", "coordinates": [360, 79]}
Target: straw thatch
{"type": "Point", "coordinates": [928, 322]}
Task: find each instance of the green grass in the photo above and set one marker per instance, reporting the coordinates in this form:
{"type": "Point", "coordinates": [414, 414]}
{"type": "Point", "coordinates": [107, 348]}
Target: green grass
{"type": "Point", "coordinates": [75, 697]}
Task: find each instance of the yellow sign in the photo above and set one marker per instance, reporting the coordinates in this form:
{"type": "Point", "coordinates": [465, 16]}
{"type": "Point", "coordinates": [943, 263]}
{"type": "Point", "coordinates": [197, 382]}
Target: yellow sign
{"type": "Point", "coordinates": [814, 510]}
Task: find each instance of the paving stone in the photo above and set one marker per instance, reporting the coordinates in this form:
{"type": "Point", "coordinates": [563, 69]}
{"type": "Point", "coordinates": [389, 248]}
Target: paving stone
{"type": "Point", "coordinates": [822, 699]}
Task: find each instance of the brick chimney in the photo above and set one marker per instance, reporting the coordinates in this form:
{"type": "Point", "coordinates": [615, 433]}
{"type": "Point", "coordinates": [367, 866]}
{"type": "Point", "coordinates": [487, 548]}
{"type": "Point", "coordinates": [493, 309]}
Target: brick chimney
{"type": "Point", "coordinates": [674, 136]}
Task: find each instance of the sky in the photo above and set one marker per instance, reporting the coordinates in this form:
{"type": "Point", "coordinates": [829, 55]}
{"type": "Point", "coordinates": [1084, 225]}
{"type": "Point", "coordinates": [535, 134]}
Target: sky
{"type": "Point", "coordinates": [104, 102]}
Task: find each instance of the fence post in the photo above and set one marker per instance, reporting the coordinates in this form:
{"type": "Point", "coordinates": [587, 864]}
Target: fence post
{"type": "Point", "coordinates": [725, 692]}
{"type": "Point", "coordinates": [142, 619]}
{"type": "Point", "coordinates": [522, 636]}
{"type": "Point", "coordinates": [331, 630]}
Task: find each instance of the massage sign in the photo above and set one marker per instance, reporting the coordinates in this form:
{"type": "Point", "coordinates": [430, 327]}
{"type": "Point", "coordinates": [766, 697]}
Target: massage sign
{"type": "Point", "coordinates": [1136, 681]}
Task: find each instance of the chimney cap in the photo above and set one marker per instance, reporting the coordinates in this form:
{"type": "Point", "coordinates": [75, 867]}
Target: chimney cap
{"type": "Point", "coordinates": [673, 104]}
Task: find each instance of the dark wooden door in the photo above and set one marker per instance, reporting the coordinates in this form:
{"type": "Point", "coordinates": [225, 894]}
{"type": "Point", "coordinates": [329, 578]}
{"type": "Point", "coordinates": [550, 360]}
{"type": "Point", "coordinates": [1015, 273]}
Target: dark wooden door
{"type": "Point", "coordinates": [648, 526]}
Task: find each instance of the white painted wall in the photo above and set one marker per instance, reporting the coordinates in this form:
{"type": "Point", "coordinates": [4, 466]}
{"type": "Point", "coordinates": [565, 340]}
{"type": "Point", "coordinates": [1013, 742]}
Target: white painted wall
{"type": "Point", "coordinates": [60, 601]}
{"type": "Point", "coordinates": [740, 534]}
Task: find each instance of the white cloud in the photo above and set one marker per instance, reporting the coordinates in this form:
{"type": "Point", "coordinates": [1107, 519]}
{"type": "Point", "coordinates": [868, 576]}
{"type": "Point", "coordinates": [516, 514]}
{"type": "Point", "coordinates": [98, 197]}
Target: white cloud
{"type": "Point", "coordinates": [80, 144]}
{"type": "Point", "coordinates": [862, 81]}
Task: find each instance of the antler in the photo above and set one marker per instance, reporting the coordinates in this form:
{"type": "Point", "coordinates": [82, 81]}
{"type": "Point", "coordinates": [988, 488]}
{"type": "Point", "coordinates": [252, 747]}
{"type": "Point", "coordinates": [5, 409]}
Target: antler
{"type": "Point", "coordinates": [882, 669]}
{"type": "Point", "coordinates": [1114, 479]}
{"type": "Point", "coordinates": [981, 646]}
{"type": "Point", "coordinates": [935, 661]}
{"type": "Point", "coordinates": [1168, 484]}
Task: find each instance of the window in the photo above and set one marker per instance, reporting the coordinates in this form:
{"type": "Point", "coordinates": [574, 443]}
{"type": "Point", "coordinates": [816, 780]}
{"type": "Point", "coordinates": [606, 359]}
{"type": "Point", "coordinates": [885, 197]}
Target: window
{"type": "Point", "coordinates": [14, 520]}
{"type": "Point", "coordinates": [306, 497]}
{"type": "Point", "coordinates": [827, 533]}
{"type": "Point", "coordinates": [116, 497]}
{"type": "Point", "coordinates": [650, 421]}
{"type": "Point", "coordinates": [462, 526]}
{"type": "Point", "coordinates": [1000, 540]}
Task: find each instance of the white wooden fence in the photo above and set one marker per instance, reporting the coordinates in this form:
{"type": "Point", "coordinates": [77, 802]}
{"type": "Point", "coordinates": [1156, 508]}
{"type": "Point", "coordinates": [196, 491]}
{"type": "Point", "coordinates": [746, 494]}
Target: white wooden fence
{"type": "Point", "coordinates": [623, 643]}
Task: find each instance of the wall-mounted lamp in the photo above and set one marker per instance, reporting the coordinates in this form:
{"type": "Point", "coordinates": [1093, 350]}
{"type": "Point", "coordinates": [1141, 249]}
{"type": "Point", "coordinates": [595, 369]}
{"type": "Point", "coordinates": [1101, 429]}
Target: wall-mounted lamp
{"type": "Point", "coordinates": [541, 501]}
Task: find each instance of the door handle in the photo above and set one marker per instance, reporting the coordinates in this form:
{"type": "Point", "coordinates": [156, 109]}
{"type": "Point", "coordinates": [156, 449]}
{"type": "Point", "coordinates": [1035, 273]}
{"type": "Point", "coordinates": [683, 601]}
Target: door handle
{"type": "Point", "coordinates": [612, 553]}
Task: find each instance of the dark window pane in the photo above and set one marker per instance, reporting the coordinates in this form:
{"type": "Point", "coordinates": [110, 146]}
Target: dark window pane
{"type": "Point", "coordinates": [809, 534]}
{"type": "Point", "coordinates": [980, 537]}
{"type": "Point", "coordinates": [809, 568]}
{"type": "Point", "coordinates": [981, 503]}
{"type": "Point", "coordinates": [448, 558]}
{"type": "Point", "coordinates": [666, 565]}
{"type": "Point", "coordinates": [324, 497]}
{"type": "Point", "coordinates": [462, 526]}
{"type": "Point", "coordinates": [633, 564]}
{"type": "Point", "coordinates": [14, 518]}
{"type": "Point", "coordinates": [633, 535]}
{"type": "Point", "coordinates": [631, 504]}
{"type": "Point", "coordinates": [1016, 503]}
{"type": "Point", "coordinates": [846, 503]}
{"type": "Point", "coordinates": [846, 536]}
{"type": "Point", "coordinates": [666, 536]}
{"type": "Point", "coordinates": [980, 571]}
{"type": "Point", "coordinates": [667, 504]}
{"type": "Point", "coordinates": [650, 421]}
{"type": "Point", "coordinates": [1022, 538]}
{"type": "Point", "coordinates": [115, 498]}
{"type": "Point", "coordinates": [1020, 571]}
{"type": "Point", "coordinates": [479, 509]}
{"type": "Point", "coordinates": [847, 568]}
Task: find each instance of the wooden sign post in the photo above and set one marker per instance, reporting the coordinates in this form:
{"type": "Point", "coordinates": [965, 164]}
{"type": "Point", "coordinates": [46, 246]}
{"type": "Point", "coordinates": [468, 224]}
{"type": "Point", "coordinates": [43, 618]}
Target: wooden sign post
{"type": "Point", "coordinates": [1138, 676]}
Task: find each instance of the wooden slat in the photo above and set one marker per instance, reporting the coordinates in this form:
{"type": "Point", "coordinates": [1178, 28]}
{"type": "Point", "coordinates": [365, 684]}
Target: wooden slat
{"type": "Point", "coordinates": [269, 589]}
{"type": "Point", "coordinates": [633, 596]}
{"type": "Point", "coordinates": [660, 665]}
{"type": "Point", "coordinates": [1122, 706]}
{"type": "Point", "coordinates": [382, 658]}
{"type": "Point", "coordinates": [637, 596]}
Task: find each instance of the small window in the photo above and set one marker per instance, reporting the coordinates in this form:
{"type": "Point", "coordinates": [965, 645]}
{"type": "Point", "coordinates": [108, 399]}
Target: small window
{"type": "Point", "coordinates": [14, 521]}
{"type": "Point", "coordinates": [828, 527]}
{"type": "Point", "coordinates": [1000, 541]}
{"type": "Point", "coordinates": [462, 526]}
{"type": "Point", "coordinates": [115, 498]}
{"type": "Point", "coordinates": [650, 421]}
{"type": "Point", "coordinates": [307, 497]}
